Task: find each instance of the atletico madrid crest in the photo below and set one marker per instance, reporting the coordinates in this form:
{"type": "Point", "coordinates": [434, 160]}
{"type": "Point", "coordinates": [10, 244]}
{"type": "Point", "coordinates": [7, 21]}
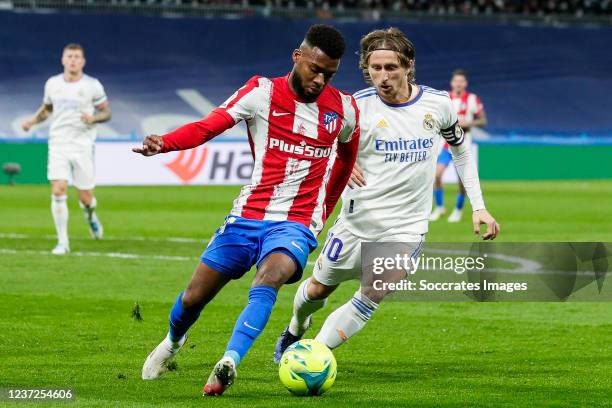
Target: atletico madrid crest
{"type": "Point", "coordinates": [330, 121]}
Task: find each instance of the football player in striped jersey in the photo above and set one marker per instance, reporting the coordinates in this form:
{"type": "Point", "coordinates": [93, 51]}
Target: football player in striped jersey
{"type": "Point", "coordinates": [304, 137]}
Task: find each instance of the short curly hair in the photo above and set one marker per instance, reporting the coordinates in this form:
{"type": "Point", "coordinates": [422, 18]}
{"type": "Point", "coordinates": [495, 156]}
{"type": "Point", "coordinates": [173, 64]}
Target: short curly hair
{"type": "Point", "coordinates": [327, 38]}
{"type": "Point", "coordinates": [392, 39]}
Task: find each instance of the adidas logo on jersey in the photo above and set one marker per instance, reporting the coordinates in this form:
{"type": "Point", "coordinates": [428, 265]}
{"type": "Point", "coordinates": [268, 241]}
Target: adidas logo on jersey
{"type": "Point", "coordinates": [301, 149]}
{"type": "Point", "coordinates": [382, 124]}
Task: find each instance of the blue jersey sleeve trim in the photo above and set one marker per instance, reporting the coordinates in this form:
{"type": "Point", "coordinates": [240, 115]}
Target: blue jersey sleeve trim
{"type": "Point", "coordinates": [365, 95]}
{"type": "Point", "coordinates": [362, 91]}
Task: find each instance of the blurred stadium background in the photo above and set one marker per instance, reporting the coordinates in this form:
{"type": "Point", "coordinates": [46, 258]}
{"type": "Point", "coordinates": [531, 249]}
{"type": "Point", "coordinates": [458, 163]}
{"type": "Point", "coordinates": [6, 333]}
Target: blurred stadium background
{"type": "Point", "coordinates": [542, 69]}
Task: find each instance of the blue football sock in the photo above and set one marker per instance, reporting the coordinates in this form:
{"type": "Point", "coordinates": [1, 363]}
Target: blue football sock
{"type": "Point", "coordinates": [439, 196]}
{"type": "Point", "coordinates": [181, 319]}
{"type": "Point", "coordinates": [460, 201]}
{"type": "Point", "coordinates": [251, 321]}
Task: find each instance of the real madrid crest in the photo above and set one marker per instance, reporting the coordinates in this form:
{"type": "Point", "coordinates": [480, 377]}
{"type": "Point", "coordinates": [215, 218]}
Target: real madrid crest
{"type": "Point", "coordinates": [428, 121]}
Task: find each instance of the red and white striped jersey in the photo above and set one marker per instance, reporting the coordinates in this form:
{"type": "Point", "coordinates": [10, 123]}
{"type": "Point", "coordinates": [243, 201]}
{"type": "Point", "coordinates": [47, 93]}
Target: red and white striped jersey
{"type": "Point", "coordinates": [467, 105]}
{"type": "Point", "coordinates": [294, 147]}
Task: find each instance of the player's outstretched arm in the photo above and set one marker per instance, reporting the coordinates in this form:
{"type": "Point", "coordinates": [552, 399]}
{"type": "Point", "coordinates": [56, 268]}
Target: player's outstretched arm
{"type": "Point", "coordinates": [243, 105]}
{"type": "Point", "coordinates": [151, 146]}
{"type": "Point", "coordinates": [190, 135]}
{"type": "Point", "coordinates": [40, 116]}
{"type": "Point", "coordinates": [468, 173]}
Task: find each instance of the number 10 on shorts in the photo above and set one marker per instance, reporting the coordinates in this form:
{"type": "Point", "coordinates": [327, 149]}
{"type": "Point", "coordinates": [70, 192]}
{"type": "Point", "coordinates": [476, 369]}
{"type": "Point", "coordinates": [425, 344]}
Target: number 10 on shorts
{"type": "Point", "coordinates": [332, 247]}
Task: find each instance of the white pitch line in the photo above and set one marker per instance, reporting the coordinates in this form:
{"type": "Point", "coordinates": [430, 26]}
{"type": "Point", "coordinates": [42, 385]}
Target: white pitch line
{"type": "Point", "coordinates": [122, 255]}
{"type": "Point", "coordinates": [13, 236]}
{"type": "Point", "coordinates": [109, 238]}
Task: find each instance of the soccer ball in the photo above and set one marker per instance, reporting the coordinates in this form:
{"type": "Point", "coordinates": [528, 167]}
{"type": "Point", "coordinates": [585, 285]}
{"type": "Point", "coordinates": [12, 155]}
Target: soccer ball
{"type": "Point", "coordinates": [307, 367]}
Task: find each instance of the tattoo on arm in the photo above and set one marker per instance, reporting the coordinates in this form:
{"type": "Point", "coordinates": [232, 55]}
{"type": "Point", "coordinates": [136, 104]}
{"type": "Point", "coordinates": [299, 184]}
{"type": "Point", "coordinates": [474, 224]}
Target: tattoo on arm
{"type": "Point", "coordinates": [103, 114]}
{"type": "Point", "coordinates": [43, 113]}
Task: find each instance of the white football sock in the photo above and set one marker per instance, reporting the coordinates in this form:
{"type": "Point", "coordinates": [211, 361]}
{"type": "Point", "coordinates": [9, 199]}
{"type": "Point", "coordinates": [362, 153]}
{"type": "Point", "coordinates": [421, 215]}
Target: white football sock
{"type": "Point", "coordinates": [346, 321]}
{"type": "Point", "coordinates": [303, 307]}
{"type": "Point", "coordinates": [59, 210]}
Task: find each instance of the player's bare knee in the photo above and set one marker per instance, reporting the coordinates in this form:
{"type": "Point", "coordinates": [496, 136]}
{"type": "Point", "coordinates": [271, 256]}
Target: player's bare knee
{"type": "Point", "coordinates": [86, 197]}
{"type": "Point", "coordinates": [318, 291]}
{"type": "Point", "coordinates": [59, 189]}
{"type": "Point", "coordinates": [192, 298]}
{"type": "Point", "coordinates": [271, 275]}
{"type": "Point", "coordinates": [275, 270]}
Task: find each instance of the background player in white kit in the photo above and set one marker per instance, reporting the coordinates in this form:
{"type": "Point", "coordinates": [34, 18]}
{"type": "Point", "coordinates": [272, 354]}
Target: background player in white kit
{"type": "Point", "coordinates": [77, 102]}
{"type": "Point", "coordinates": [403, 127]}
{"type": "Point", "coordinates": [470, 113]}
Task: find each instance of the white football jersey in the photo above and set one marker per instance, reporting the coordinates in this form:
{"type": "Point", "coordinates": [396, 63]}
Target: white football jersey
{"type": "Point", "coordinates": [69, 100]}
{"type": "Point", "coordinates": [398, 148]}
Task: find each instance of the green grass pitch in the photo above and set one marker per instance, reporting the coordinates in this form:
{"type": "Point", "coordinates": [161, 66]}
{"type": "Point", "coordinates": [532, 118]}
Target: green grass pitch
{"type": "Point", "coordinates": [66, 321]}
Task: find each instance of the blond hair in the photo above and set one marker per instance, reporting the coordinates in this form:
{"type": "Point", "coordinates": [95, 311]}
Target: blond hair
{"type": "Point", "coordinates": [75, 46]}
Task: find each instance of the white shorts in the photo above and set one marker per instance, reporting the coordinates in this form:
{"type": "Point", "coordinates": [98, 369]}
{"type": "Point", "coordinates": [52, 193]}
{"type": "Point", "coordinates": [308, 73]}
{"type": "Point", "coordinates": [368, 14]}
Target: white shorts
{"type": "Point", "coordinates": [73, 166]}
{"type": "Point", "coordinates": [340, 258]}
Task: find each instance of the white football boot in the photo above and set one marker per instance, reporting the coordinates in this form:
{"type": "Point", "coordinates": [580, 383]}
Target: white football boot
{"type": "Point", "coordinates": [437, 213]}
{"type": "Point", "coordinates": [156, 363]}
{"type": "Point", "coordinates": [455, 215]}
{"type": "Point", "coordinates": [222, 377]}
{"type": "Point", "coordinates": [60, 249]}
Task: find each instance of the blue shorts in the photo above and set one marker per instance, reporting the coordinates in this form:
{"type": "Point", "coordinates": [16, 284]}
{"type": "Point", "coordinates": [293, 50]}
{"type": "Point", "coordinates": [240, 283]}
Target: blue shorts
{"type": "Point", "coordinates": [241, 243]}
{"type": "Point", "coordinates": [445, 157]}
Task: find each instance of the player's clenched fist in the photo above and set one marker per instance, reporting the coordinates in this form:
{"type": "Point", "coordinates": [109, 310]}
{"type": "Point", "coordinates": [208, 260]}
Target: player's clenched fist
{"type": "Point", "coordinates": [151, 146]}
{"type": "Point", "coordinates": [27, 125]}
{"type": "Point", "coordinates": [87, 119]}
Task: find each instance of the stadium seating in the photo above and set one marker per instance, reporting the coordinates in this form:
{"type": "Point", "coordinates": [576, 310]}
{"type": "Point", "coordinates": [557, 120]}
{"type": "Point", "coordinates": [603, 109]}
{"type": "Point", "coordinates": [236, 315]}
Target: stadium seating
{"type": "Point", "coordinates": [532, 80]}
